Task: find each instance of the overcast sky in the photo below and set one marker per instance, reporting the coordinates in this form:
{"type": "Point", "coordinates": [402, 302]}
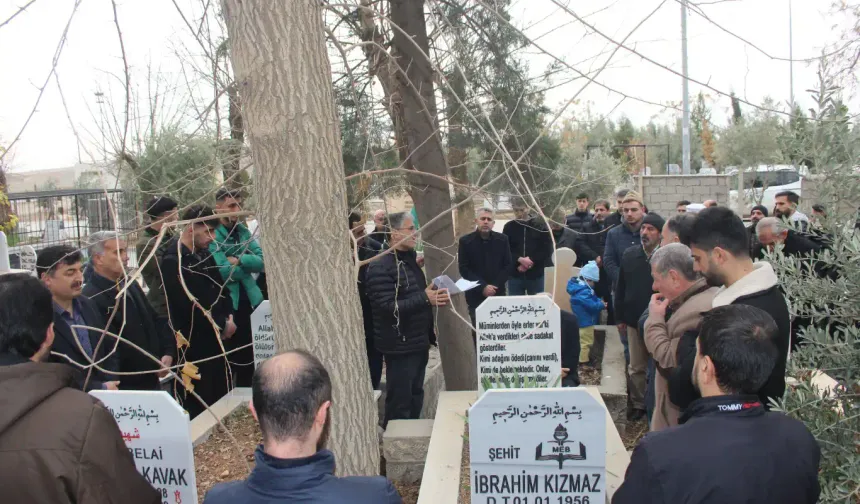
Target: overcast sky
{"type": "Point", "coordinates": [153, 31]}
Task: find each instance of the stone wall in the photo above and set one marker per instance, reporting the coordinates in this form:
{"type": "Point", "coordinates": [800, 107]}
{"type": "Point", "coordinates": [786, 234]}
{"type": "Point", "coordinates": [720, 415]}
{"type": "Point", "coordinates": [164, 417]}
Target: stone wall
{"type": "Point", "coordinates": [662, 192]}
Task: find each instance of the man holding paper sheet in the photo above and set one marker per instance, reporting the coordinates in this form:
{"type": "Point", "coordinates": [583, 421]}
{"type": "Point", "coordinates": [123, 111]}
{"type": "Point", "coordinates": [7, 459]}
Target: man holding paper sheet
{"type": "Point", "coordinates": [484, 257]}
{"type": "Point", "coordinates": [402, 306]}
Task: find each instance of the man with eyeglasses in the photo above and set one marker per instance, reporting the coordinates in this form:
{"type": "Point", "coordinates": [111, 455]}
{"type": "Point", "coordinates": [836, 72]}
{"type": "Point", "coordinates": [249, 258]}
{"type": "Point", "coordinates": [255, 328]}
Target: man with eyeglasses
{"type": "Point", "coordinates": [402, 306]}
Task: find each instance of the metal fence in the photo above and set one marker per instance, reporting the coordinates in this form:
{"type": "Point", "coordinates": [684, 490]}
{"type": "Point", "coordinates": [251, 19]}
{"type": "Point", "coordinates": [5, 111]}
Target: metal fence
{"type": "Point", "coordinates": [68, 216]}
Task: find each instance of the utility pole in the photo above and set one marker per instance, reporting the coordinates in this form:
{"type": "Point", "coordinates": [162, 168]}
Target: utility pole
{"type": "Point", "coordinates": [685, 122]}
{"type": "Point", "coordinates": [790, 58]}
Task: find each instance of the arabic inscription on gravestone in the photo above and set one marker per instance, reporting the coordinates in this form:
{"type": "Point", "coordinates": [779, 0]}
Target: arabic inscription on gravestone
{"type": "Point", "coordinates": [519, 338]}
{"type": "Point", "coordinates": [263, 333]}
{"type": "Point", "coordinates": [157, 432]}
{"type": "Point", "coordinates": [537, 446]}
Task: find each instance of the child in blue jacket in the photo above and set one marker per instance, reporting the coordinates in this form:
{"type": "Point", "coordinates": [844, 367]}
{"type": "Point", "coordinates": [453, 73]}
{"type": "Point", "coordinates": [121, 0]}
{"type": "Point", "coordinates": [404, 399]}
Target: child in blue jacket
{"type": "Point", "coordinates": [586, 306]}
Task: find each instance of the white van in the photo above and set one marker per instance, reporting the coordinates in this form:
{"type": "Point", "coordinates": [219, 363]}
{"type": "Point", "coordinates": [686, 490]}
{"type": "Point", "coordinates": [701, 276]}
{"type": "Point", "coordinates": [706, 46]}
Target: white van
{"type": "Point", "coordinates": [763, 183]}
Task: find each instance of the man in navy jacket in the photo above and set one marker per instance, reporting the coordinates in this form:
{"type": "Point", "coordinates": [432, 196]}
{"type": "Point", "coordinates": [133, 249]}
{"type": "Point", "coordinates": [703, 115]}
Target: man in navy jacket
{"type": "Point", "coordinates": [291, 397]}
{"type": "Point", "coordinates": [727, 448]}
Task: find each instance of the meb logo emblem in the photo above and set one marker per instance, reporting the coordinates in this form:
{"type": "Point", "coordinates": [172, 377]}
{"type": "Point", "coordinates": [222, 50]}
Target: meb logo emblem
{"type": "Point", "coordinates": [560, 448]}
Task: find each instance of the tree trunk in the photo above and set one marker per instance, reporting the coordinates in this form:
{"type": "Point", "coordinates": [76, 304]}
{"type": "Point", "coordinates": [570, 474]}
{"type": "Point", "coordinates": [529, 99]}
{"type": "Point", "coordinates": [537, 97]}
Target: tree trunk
{"type": "Point", "coordinates": [234, 178]}
{"type": "Point", "coordinates": [458, 157]}
{"type": "Point", "coordinates": [283, 73]}
{"type": "Point", "coordinates": [414, 106]}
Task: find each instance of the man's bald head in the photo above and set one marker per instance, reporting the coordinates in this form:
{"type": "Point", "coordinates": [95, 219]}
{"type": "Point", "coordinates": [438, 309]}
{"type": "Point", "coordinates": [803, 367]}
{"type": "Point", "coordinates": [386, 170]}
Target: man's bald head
{"type": "Point", "coordinates": [288, 392]}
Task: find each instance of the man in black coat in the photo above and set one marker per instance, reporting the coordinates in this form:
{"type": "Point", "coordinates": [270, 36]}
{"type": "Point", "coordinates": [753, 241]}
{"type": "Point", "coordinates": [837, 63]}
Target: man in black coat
{"type": "Point", "coordinates": [617, 217]}
{"type": "Point", "coordinates": [757, 213]}
{"type": "Point", "coordinates": [402, 306]}
{"type": "Point", "coordinates": [771, 231]}
{"type": "Point", "coordinates": [131, 316]}
{"type": "Point", "coordinates": [190, 250]}
{"type": "Point", "coordinates": [565, 238]}
{"type": "Point", "coordinates": [595, 236]}
{"type": "Point", "coordinates": [367, 248]}
{"type": "Point", "coordinates": [484, 256]}
{"type": "Point", "coordinates": [60, 267]}
{"type": "Point", "coordinates": [581, 217]}
{"type": "Point", "coordinates": [728, 447]}
{"type": "Point", "coordinates": [632, 295]}
{"type": "Point", "coordinates": [531, 250]}
{"type": "Point", "coordinates": [720, 246]}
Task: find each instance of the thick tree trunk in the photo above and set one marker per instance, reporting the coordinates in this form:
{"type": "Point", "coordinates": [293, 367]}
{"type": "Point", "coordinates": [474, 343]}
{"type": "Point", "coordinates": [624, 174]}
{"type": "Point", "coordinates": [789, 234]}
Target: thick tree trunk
{"type": "Point", "coordinates": [233, 176]}
{"type": "Point", "coordinates": [283, 74]}
{"type": "Point", "coordinates": [458, 157]}
{"type": "Point", "coordinates": [414, 107]}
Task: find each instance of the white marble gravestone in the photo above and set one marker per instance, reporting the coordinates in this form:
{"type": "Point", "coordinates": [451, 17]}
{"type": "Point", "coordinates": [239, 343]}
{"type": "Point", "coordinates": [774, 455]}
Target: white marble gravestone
{"type": "Point", "coordinates": [537, 446]}
{"type": "Point", "coordinates": [263, 333]}
{"type": "Point", "coordinates": [157, 432]}
{"type": "Point", "coordinates": [518, 337]}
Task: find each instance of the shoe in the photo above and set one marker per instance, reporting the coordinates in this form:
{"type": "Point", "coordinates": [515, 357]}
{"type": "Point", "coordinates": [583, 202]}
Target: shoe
{"type": "Point", "coordinates": [636, 414]}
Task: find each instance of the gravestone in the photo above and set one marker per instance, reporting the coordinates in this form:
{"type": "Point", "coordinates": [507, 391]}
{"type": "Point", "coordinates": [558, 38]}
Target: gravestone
{"type": "Point", "coordinates": [519, 340]}
{"type": "Point", "coordinates": [555, 277]}
{"type": "Point", "coordinates": [157, 432]}
{"type": "Point", "coordinates": [263, 332]}
{"type": "Point", "coordinates": [537, 446]}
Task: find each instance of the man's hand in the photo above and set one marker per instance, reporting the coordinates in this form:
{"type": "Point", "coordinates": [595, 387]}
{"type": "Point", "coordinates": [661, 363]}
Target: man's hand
{"type": "Point", "coordinates": [229, 329]}
{"type": "Point", "coordinates": [564, 372]}
{"type": "Point", "coordinates": [420, 261]}
{"type": "Point", "coordinates": [111, 385]}
{"type": "Point", "coordinates": [437, 297]}
{"type": "Point", "coordinates": [233, 260]}
{"type": "Point", "coordinates": [490, 290]}
{"type": "Point", "coordinates": [657, 306]}
{"type": "Point", "coordinates": [522, 269]}
{"type": "Point", "coordinates": [525, 261]}
{"type": "Point", "coordinates": [166, 362]}
{"type": "Point", "coordinates": [599, 261]}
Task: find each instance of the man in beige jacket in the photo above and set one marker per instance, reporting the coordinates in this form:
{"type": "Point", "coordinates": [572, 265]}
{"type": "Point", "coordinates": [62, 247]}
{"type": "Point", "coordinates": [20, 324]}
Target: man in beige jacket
{"type": "Point", "coordinates": [682, 296]}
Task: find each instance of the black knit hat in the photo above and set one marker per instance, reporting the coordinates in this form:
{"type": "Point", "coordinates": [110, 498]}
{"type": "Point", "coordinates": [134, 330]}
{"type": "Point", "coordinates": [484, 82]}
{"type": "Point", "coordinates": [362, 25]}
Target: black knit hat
{"type": "Point", "coordinates": [654, 220]}
{"type": "Point", "coordinates": [159, 205]}
{"type": "Point", "coordinates": [761, 208]}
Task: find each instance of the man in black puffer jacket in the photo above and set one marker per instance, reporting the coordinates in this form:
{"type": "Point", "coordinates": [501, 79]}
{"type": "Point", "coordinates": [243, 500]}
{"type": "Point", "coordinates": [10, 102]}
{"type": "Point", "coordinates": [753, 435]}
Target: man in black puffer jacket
{"type": "Point", "coordinates": [581, 216]}
{"type": "Point", "coordinates": [402, 307]}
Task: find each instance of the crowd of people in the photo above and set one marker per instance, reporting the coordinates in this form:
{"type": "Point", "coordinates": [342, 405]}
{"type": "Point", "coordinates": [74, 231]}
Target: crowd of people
{"type": "Point", "coordinates": [203, 282]}
{"type": "Point", "coordinates": [705, 327]}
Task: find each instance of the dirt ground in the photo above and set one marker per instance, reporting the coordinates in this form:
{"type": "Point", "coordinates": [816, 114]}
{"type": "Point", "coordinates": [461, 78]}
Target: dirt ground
{"type": "Point", "coordinates": [217, 460]}
{"type": "Point", "coordinates": [634, 433]}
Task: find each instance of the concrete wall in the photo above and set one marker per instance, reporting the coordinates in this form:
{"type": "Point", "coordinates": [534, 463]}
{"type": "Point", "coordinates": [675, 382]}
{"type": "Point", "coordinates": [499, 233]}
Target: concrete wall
{"type": "Point", "coordinates": [662, 192]}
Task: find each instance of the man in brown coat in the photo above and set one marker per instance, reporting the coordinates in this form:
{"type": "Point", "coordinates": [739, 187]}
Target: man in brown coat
{"type": "Point", "coordinates": [676, 308]}
{"type": "Point", "coordinates": [58, 445]}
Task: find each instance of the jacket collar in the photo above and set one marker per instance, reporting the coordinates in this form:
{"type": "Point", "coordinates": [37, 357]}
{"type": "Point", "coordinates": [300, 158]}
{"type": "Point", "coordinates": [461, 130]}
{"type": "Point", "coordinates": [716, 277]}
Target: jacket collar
{"type": "Point", "coordinates": [407, 255]}
{"type": "Point", "coordinates": [697, 287]}
{"type": "Point", "coordinates": [727, 405]}
{"type": "Point", "coordinates": [222, 233]}
{"type": "Point", "coordinates": [272, 475]}
{"type": "Point", "coordinates": [103, 284]}
{"type": "Point", "coordinates": [760, 279]}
